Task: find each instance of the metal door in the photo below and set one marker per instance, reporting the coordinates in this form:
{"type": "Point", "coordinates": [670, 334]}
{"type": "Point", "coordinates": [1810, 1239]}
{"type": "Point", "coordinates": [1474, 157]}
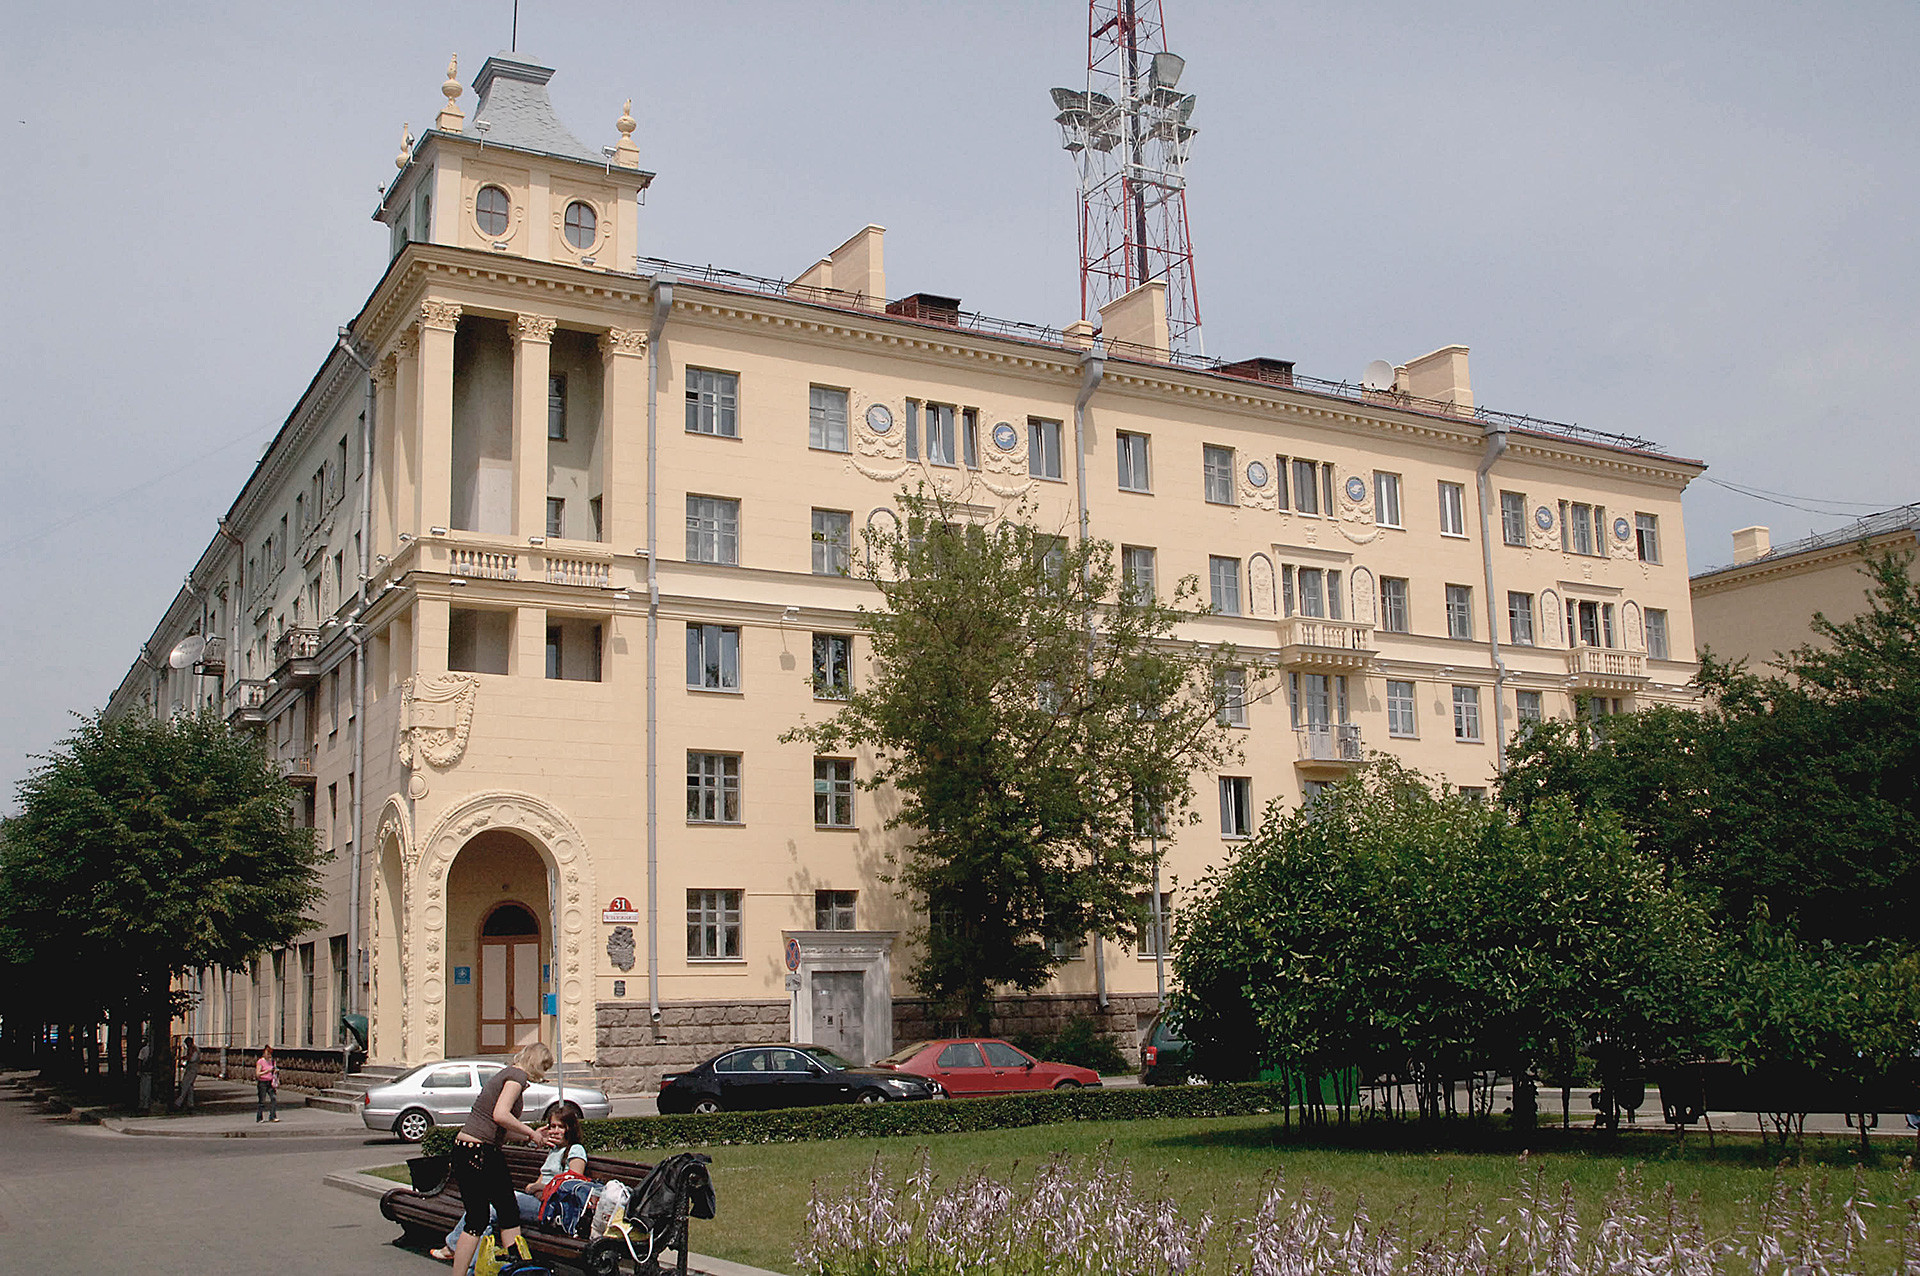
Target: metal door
{"type": "Point", "coordinates": [838, 1022]}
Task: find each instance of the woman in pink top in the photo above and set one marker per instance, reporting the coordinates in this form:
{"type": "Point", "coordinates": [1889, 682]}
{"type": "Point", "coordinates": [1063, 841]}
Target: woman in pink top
{"type": "Point", "coordinates": [266, 1085]}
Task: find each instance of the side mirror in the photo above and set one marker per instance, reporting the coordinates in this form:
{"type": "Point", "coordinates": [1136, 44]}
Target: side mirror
{"type": "Point", "coordinates": [1028, 1065]}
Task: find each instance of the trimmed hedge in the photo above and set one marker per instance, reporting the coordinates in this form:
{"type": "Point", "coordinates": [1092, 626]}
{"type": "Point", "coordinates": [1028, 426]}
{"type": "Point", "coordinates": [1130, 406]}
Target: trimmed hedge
{"type": "Point", "coordinates": [926, 1116]}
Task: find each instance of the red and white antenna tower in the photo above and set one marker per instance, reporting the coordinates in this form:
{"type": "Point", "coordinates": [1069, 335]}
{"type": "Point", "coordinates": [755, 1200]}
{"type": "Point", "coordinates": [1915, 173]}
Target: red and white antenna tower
{"type": "Point", "coordinates": [1129, 136]}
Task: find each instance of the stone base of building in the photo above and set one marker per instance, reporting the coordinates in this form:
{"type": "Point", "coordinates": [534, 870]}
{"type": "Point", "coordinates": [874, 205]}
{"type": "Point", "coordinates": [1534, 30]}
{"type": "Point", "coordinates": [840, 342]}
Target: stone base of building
{"type": "Point", "coordinates": [306, 1068]}
{"type": "Point", "coordinates": [630, 1051]}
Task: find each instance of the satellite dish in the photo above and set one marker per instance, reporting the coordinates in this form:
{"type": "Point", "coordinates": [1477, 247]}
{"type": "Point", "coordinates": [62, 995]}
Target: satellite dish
{"type": "Point", "coordinates": [1378, 376]}
{"type": "Point", "coordinates": [187, 652]}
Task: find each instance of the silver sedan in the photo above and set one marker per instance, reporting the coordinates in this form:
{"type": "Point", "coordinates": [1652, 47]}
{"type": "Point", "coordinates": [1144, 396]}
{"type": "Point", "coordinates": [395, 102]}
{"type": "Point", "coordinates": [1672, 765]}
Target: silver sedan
{"type": "Point", "coordinates": [443, 1093]}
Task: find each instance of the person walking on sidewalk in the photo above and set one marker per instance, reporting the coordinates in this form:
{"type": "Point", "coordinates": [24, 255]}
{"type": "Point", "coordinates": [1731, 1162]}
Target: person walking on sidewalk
{"type": "Point", "coordinates": [189, 1073]}
{"type": "Point", "coordinates": [266, 1084]}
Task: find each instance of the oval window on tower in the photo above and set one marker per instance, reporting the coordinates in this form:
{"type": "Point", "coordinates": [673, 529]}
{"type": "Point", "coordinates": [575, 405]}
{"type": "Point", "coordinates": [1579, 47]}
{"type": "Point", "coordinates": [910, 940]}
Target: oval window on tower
{"type": "Point", "coordinates": [490, 208]}
{"type": "Point", "coordinates": [581, 224]}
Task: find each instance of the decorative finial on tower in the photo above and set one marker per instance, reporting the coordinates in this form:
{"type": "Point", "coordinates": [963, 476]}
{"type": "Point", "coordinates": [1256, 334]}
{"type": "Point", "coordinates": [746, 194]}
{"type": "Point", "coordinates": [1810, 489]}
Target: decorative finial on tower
{"type": "Point", "coordinates": [625, 153]}
{"type": "Point", "coordinates": [406, 146]}
{"type": "Point", "coordinates": [452, 118]}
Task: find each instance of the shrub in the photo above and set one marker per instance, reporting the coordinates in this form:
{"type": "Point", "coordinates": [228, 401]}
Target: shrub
{"type": "Point", "coordinates": [932, 1116]}
{"type": "Point", "coordinates": [1079, 1042]}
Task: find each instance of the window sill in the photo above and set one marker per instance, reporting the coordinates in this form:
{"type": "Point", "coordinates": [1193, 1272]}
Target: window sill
{"type": "Point", "coordinates": [1454, 536]}
{"type": "Point", "coordinates": [1236, 837]}
{"type": "Point", "coordinates": [1395, 735]}
{"type": "Point", "coordinates": [717, 961]}
{"type": "Point", "coordinates": [716, 824]}
{"type": "Point", "coordinates": [1225, 505]}
{"type": "Point", "coordinates": [715, 691]}
{"type": "Point", "coordinates": [706, 434]}
{"type": "Point", "coordinates": [836, 828]}
{"type": "Point", "coordinates": [836, 451]}
{"type": "Point", "coordinates": [1461, 739]}
{"type": "Point", "coordinates": [1390, 527]}
{"type": "Point", "coordinates": [1137, 491]}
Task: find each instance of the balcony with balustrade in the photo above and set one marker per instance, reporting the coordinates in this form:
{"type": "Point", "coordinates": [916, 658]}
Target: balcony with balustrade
{"type": "Point", "coordinates": [246, 702]}
{"type": "Point", "coordinates": [1329, 748]}
{"type": "Point", "coordinates": [469, 557]}
{"type": "Point", "coordinates": [1312, 642]}
{"type": "Point", "coordinates": [295, 660]}
{"type": "Point", "coordinates": [299, 770]}
{"type": "Point", "coordinates": [1606, 669]}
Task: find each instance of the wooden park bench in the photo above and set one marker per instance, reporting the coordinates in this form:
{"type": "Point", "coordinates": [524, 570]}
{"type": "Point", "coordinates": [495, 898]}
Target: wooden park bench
{"type": "Point", "coordinates": [432, 1205]}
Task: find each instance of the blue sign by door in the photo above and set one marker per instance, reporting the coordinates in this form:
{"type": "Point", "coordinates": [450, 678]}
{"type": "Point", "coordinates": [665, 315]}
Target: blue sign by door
{"type": "Point", "coordinates": [462, 974]}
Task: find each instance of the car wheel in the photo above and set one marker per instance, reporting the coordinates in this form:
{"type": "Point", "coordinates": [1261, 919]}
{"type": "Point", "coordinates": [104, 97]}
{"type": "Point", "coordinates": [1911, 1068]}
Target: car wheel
{"type": "Point", "coordinates": [413, 1124]}
{"type": "Point", "coordinates": [870, 1096]}
{"type": "Point", "coordinates": [1068, 1085]}
{"type": "Point", "coordinates": [1194, 1078]}
{"type": "Point", "coordinates": [705, 1107]}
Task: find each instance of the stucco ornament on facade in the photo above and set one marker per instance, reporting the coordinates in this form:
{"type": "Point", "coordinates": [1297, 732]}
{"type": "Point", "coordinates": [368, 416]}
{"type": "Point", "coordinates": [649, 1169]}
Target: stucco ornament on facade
{"type": "Point", "coordinates": [615, 342]}
{"type": "Point", "coordinates": [1256, 485]}
{"type": "Point", "coordinates": [559, 842]}
{"type": "Point", "coordinates": [1355, 517]}
{"type": "Point", "coordinates": [436, 714]}
{"type": "Point", "coordinates": [1543, 532]}
{"type": "Point", "coordinates": [1260, 585]}
{"type": "Point", "coordinates": [534, 328]}
{"type": "Point", "coordinates": [1361, 581]}
{"type": "Point", "coordinates": [878, 435]}
{"type": "Point", "coordinates": [441, 315]}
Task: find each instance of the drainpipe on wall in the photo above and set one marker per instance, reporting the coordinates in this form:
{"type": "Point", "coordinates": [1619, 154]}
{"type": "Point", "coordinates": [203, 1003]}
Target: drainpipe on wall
{"type": "Point", "coordinates": [358, 633]}
{"type": "Point", "coordinates": [1093, 367]}
{"type": "Point", "coordinates": [1496, 444]}
{"type": "Point", "coordinates": [662, 306]}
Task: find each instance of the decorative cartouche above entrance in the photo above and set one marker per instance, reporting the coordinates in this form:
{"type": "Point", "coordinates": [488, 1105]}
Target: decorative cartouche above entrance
{"type": "Point", "coordinates": [436, 712]}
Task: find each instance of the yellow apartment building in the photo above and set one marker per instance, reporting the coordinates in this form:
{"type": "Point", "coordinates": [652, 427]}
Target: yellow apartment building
{"type": "Point", "coordinates": [555, 545]}
{"type": "Point", "coordinates": [1761, 604]}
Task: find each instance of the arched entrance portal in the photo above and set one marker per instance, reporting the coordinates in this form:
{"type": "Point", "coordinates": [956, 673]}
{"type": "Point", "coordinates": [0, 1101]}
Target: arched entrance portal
{"type": "Point", "coordinates": [498, 945]}
{"type": "Point", "coordinates": [507, 983]}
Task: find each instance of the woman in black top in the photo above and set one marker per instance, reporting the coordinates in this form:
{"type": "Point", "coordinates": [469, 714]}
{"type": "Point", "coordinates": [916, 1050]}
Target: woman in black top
{"type": "Point", "coordinates": [478, 1166]}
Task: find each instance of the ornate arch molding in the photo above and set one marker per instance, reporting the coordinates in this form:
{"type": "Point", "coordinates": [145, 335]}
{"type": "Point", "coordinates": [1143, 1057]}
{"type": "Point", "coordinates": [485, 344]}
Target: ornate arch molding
{"type": "Point", "coordinates": [558, 842]}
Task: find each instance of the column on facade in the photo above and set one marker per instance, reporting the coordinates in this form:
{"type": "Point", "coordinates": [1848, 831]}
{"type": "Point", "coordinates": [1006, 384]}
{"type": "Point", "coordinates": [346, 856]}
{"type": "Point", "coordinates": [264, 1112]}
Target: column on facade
{"type": "Point", "coordinates": [381, 473]}
{"type": "Point", "coordinates": [532, 350]}
{"type": "Point", "coordinates": [402, 453]}
{"type": "Point", "coordinates": [433, 480]}
{"type": "Point", "coordinates": [623, 438]}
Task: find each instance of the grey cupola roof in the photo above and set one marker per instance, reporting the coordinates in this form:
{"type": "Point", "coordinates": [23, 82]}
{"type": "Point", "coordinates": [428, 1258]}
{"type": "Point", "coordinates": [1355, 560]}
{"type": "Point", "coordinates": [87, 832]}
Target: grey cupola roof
{"type": "Point", "coordinates": [517, 112]}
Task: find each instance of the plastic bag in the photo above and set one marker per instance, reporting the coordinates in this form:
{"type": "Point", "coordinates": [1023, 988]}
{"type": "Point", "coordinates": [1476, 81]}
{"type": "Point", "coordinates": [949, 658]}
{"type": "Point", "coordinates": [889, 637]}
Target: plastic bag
{"type": "Point", "coordinates": [612, 1207]}
{"type": "Point", "coordinates": [492, 1258]}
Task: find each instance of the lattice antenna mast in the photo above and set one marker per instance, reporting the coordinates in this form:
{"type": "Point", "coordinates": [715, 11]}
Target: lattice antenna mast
{"type": "Point", "coordinates": [1129, 135]}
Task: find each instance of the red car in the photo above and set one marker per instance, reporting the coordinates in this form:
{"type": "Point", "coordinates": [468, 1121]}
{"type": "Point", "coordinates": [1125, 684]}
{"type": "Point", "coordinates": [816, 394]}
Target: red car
{"type": "Point", "coordinates": [985, 1065]}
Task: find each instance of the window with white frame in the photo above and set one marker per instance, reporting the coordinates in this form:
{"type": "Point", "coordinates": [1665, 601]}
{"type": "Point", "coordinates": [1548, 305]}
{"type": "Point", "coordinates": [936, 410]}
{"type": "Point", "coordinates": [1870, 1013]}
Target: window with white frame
{"type": "Point", "coordinates": [1466, 713]}
{"type": "Point", "coordinates": [833, 792]}
{"type": "Point", "coordinates": [556, 516]}
{"type": "Point", "coordinates": [1313, 591]}
{"type": "Point", "coordinates": [1527, 707]}
{"type": "Point", "coordinates": [1138, 570]}
{"type": "Point", "coordinates": [1400, 717]}
{"type": "Point", "coordinates": [942, 444]}
{"type": "Point", "coordinates": [1386, 499]}
{"type": "Point", "coordinates": [557, 406]}
{"type": "Point", "coordinates": [1307, 482]}
{"type": "Point", "coordinates": [1043, 448]}
{"type": "Point", "coordinates": [713, 788]}
{"type": "Point", "coordinates": [713, 657]}
{"type": "Point", "coordinates": [713, 400]}
{"type": "Point", "coordinates": [1132, 451]}
{"type": "Point", "coordinates": [833, 910]}
{"type": "Point", "coordinates": [1582, 528]}
{"type": "Point", "coordinates": [827, 419]}
{"type": "Point", "coordinates": [1459, 611]}
{"type": "Point", "coordinates": [1224, 576]}
{"type": "Point", "coordinates": [832, 666]}
{"type": "Point", "coordinates": [1646, 537]}
{"type": "Point", "coordinates": [1513, 518]}
{"type": "Point", "coordinates": [1151, 932]}
{"type": "Point", "coordinates": [713, 925]}
{"type": "Point", "coordinates": [1520, 618]}
{"type": "Point", "coordinates": [1230, 697]}
{"type": "Point", "coordinates": [713, 530]}
{"type": "Point", "coordinates": [1236, 806]}
{"type": "Point", "coordinates": [1453, 510]}
{"type": "Point", "coordinates": [832, 542]}
{"type": "Point", "coordinates": [1657, 633]}
{"type": "Point", "coordinates": [970, 438]}
{"type": "Point", "coordinates": [1216, 471]}
{"type": "Point", "coordinates": [1393, 604]}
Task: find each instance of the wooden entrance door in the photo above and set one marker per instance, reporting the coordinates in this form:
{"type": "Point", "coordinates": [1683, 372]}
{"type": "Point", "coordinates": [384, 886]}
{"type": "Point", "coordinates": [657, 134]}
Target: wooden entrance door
{"type": "Point", "coordinates": [509, 980]}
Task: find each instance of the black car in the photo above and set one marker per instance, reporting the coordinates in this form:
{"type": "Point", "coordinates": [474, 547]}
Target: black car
{"type": "Point", "coordinates": [1164, 1053]}
{"type": "Point", "coordinates": [785, 1076]}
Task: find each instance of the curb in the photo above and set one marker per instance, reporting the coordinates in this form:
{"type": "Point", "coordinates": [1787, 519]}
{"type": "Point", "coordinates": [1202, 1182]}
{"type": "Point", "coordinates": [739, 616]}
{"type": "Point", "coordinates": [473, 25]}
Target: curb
{"type": "Point", "coordinates": [135, 1127]}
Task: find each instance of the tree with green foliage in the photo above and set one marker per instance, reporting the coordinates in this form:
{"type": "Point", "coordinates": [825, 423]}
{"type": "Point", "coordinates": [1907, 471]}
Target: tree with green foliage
{"type": "Point", "coordinates": [1799, 789]}
{"type": "Point", "coordinates": [1030, 711]}
{"type": "Point", "coordinates": [1402, 930]}
{"type": "Point", "coordinates": [146, 848]}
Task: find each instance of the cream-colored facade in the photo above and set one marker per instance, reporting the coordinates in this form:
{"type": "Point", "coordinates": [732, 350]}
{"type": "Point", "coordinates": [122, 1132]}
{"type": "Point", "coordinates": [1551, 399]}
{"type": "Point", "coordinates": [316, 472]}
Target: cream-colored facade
{"type": "Point", "coordinates": [1762, 604]}
{"type": "Point", "coordinates": [603, 512]}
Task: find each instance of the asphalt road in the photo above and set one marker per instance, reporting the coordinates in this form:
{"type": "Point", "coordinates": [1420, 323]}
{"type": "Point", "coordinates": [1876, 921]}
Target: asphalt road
{"type": "Point", "coordinates": [78, 1198]}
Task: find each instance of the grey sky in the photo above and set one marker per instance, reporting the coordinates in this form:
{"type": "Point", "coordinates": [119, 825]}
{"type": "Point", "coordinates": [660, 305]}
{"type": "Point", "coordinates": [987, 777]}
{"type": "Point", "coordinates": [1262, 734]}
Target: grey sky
{"type": "Point", "coordinates": [1692, 223]}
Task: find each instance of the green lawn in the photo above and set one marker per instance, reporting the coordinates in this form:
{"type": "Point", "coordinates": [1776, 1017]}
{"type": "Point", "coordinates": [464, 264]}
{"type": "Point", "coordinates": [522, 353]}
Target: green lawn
{"type": "Point", "coordinates": [1220, 1164]}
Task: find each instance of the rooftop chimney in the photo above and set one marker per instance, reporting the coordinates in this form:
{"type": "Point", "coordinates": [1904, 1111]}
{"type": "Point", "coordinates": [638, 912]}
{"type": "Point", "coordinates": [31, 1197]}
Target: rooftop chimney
{"type": "Point", "coordinates": [1139, 318]}
{"type": "Point", "coordinates": [1750, 543]}
{"type": "Point", "coordinates": [1441, 376]}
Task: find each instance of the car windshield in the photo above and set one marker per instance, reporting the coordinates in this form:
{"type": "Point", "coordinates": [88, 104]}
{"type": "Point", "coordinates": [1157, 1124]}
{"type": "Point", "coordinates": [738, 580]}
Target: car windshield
{"type": "Point", "coordinates": [827, 1056]}
{"type": "Point", "coordinates": [903, 1054]}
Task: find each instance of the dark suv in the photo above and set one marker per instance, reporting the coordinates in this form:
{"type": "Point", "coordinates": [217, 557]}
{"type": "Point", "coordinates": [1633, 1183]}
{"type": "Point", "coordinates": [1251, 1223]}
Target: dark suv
{"type": "Point", "coordinates": [1163, 1054]}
